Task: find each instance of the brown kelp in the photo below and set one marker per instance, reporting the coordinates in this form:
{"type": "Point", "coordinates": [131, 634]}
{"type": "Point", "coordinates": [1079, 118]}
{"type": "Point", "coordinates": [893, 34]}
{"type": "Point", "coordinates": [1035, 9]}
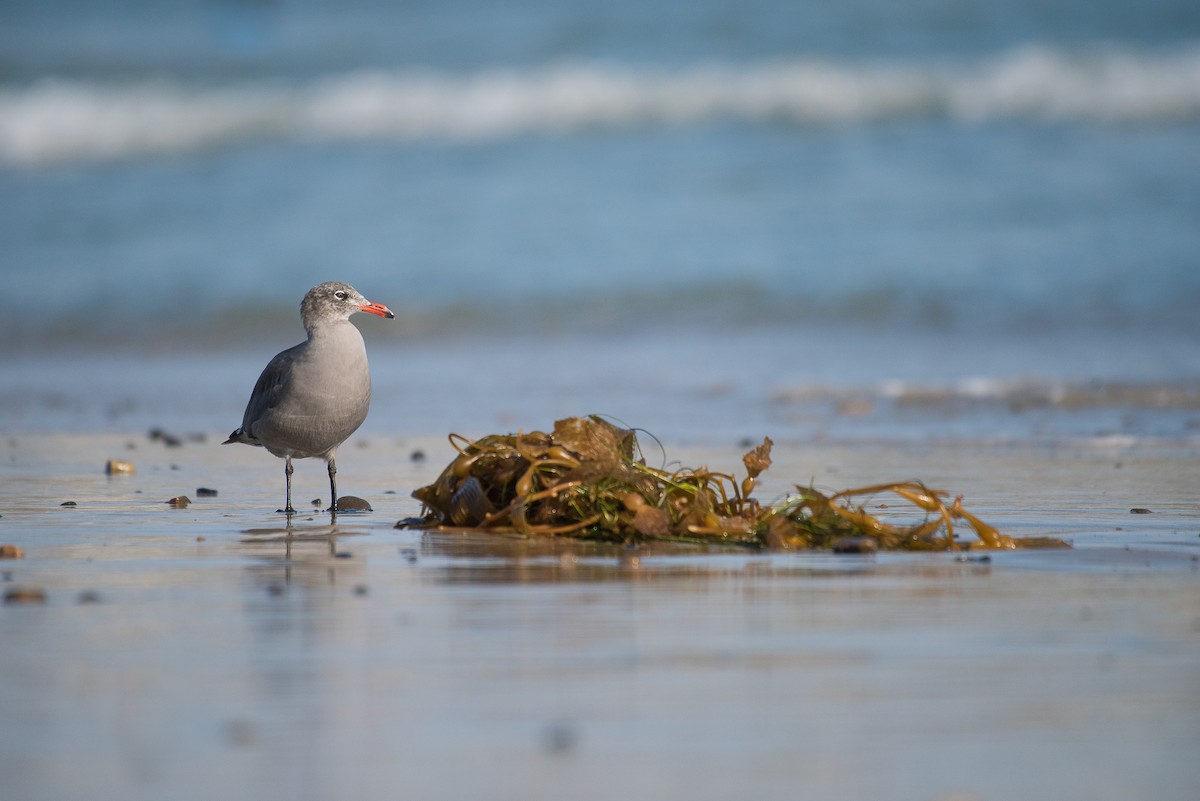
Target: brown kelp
{"type": "Point", "coordinates": [588, 480]}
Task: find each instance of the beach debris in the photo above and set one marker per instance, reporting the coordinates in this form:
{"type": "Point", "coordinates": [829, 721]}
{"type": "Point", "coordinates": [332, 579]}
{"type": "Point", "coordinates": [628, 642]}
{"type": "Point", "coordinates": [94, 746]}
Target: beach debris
{"type": "Point", "coordinates": [559, 737]}
{"type": "Point", "coordinates": [179, 502]}
{"type": "Point", "coordinates": [241, 733]}
{"type": "Point", "coordinates": [587, 479]}
{"type": "Point", "coordinates": [11, 552]}
{"type": "Point", "coordinates": [169, 440]}
{"type": "Point", "coordinates": [205, 492]}
{"type": "Point", "coordinates": [119, 467]}
{"type": "Point", "coordinates": [352, 503]}
{"type": "Point", "coordinates": [25, 595]}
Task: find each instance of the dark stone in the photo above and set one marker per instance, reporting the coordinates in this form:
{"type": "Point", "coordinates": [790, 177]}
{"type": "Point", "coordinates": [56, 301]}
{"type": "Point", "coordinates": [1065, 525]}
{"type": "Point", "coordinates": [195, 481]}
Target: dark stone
{"type": "Point", "coordinates": [855, 545]}
{"type": "Point", "coordinates": [352, 503]}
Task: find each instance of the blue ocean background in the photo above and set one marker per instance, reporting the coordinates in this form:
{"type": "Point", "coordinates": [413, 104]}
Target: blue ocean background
{"type": "Point", "coordinates": [853, 219]}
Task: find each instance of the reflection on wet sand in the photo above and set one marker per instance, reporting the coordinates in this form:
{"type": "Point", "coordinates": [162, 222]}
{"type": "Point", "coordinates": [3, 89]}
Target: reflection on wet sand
{"type": "Point", "coordinates": [471, 557]}
{"type": "Point", "coordinates": [291, 533]}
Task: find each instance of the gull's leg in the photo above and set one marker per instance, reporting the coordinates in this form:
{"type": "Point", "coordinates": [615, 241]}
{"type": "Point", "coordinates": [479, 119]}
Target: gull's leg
{"type": "Point", "coordinates": [333, 496]}
{"type": "Point", "coordinates": [287, 473]}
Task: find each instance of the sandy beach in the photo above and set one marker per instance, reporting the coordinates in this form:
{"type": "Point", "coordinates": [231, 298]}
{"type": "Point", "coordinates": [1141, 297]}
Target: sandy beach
{"type": "Point", "coordinates": [184, 653]}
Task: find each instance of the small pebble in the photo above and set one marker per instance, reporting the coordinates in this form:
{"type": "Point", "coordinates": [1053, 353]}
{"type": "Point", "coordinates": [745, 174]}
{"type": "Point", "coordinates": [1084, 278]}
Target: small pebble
{"type": "Point", "coordinates": [170, 440]}
{"type": "Point", "coordinates": [25, 595]}
{"type": "Point", "coordinates": [88, 597]}
{"type": "Point", "coordinates": [417, 456]}
{"type": "Point", "coordinates": [855, 545]}
{"type": "Point", "coordinates": [205, 492]}
{"type": "Point", "coordinates": [119, 467]}
{"type": "Point", "coordinates": [68, 503]}
{"type": "Point", "coordinates": [200, 538]}
{"type": "Point", "coordinates": [1140, 510]}
{"type": "Point", "coordinates": [352, 503]}
{"type": "Point", "coordinates": [316, 501]}
{"type": "Point", "coordinates": [559, 738]}
{"type": "Point", "coordinates": [179, 502]}
{"type": "Point", "coordinates": [241, 733]}
{"type": "Point", "coordinates": [362, 590]}
{"type": "Point", "coordinates": [11, 552]}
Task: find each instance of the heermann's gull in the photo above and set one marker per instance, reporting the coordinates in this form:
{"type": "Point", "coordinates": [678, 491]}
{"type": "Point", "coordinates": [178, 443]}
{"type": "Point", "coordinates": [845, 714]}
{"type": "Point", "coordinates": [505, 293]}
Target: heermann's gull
{"type": "Point", "coordinates": [312, 397]}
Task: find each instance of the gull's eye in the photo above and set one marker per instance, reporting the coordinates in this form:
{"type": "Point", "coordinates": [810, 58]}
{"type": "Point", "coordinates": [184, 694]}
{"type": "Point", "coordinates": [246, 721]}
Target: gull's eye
{"type": "Point", "coordinates": [340, 295]}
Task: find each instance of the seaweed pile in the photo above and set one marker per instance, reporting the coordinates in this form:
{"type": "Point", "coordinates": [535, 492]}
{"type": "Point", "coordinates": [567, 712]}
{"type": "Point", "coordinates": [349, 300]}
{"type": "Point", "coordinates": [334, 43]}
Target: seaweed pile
{"type": "Point", "coordinates": [588, 480]}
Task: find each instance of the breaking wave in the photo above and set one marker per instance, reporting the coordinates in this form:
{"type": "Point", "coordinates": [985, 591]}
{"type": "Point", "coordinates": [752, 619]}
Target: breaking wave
{"type": "Point", "coordinates": [56, 120]}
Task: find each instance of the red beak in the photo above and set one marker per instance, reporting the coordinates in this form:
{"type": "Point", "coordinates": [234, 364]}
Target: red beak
{"type": "Point", "coordinates": [378, 309]}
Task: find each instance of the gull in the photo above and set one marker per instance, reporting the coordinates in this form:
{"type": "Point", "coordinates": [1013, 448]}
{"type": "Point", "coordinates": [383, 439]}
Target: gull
{"type": "Point", "coordinates": [311, 397]}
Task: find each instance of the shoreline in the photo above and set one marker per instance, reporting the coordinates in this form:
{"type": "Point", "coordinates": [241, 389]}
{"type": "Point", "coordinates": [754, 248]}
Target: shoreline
{"type": "Point", "coordinates": [1085, 494]}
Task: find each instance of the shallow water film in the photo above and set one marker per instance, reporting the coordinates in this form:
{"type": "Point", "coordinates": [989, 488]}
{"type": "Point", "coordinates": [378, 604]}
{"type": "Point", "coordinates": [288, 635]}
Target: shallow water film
{"type": "Point", "coordinates": [216, 649]}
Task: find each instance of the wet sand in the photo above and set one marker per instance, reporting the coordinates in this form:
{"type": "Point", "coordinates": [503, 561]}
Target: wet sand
{"type": "Point", "coordinates": [183, 653]}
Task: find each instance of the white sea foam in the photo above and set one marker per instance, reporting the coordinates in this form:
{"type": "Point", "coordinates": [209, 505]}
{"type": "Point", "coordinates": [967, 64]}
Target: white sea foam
{"type": "Point", "coordinates": [56, 120]}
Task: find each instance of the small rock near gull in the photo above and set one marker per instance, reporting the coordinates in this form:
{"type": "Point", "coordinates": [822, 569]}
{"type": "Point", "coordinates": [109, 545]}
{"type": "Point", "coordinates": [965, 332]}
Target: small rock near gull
{"type": "Point", "coordinates": [68, 503]}
{"type": "Point", "coordinates": [119, 467]}
{"type": "Point", "coordinates": [1140, 510]}
{"type": "Point", "coordinates": [179, 502]}
{"type": "Point", "coordinates": [205, 492]}
{"type": "Point", "coordinates": [11, 552]}
{"type": "Point", "coordinates": [352, 503]}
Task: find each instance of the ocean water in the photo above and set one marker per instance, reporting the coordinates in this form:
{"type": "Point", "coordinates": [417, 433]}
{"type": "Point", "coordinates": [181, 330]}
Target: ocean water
{"type": "Point", "coordinates": [850, 219]}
